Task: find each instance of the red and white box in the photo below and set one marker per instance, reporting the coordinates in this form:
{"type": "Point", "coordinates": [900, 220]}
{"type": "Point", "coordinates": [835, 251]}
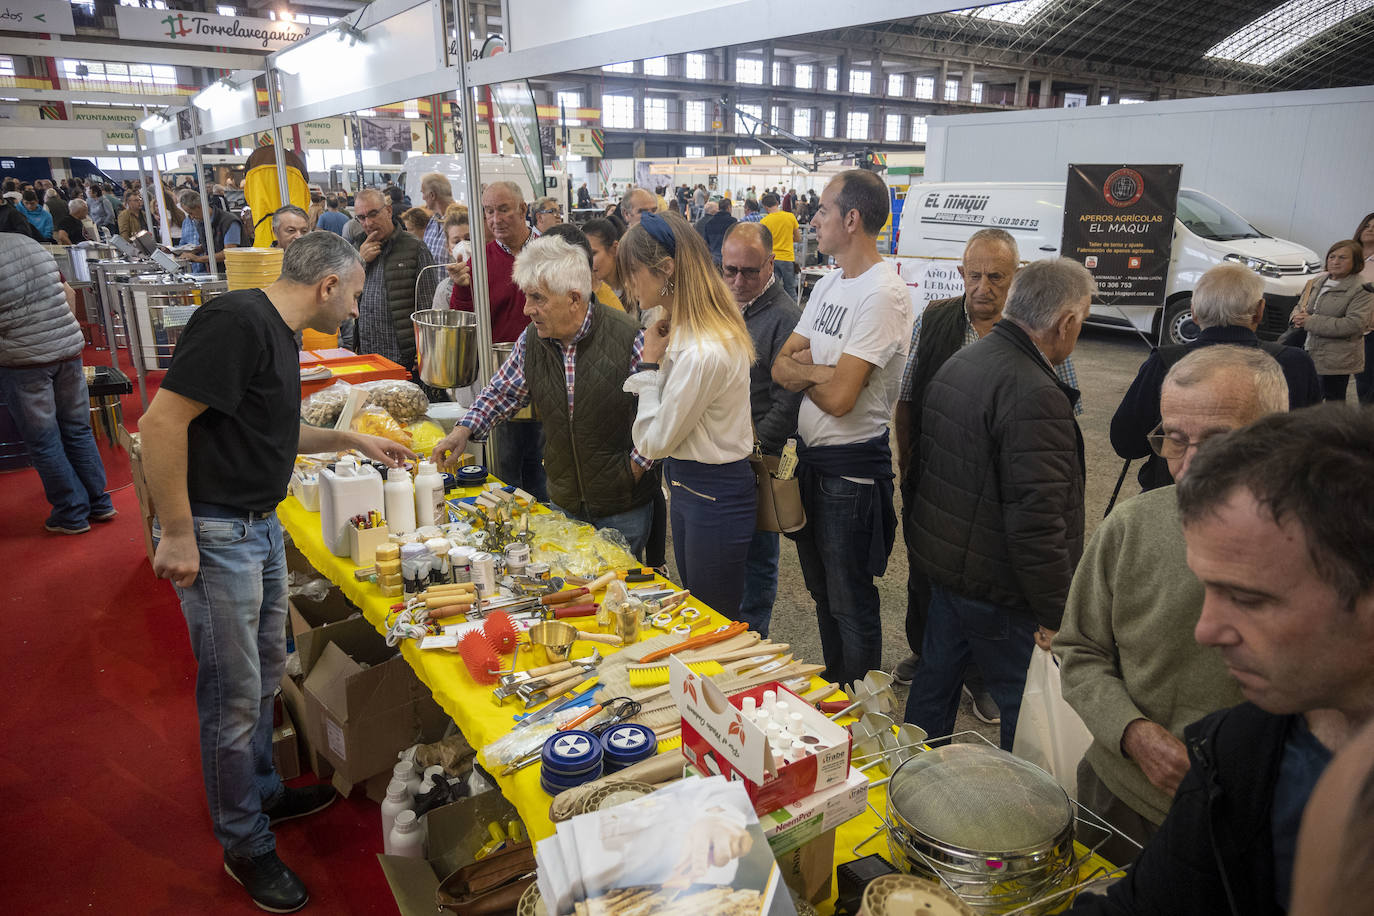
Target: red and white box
{"type": "Point", "coordinates": [717, 738]}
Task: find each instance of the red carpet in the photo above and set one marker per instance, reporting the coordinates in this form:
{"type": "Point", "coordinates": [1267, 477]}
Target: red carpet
{"type": "Point", "coordinates": [102, 807]}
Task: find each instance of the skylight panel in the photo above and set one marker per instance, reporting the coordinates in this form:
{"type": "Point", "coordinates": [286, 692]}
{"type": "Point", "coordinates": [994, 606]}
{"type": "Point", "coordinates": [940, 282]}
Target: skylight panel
{"type": "Point", "coordinates": [1268, 38]}
{"type": "Point", "coordinates": [1018, 12]}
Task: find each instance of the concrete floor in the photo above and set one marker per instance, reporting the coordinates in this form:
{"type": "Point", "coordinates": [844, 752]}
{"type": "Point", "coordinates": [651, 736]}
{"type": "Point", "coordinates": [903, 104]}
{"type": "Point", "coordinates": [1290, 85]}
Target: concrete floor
{"type": "Point", "coordinates": [1106, 362]}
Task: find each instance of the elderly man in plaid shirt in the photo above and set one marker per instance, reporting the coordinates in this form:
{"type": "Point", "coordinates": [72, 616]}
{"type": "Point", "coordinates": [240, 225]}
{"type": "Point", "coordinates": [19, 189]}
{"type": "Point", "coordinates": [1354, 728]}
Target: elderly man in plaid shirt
{"type": "Point", "coordinates": [989, 262]}
{"type": "Point", "coordinates": [570, 363]}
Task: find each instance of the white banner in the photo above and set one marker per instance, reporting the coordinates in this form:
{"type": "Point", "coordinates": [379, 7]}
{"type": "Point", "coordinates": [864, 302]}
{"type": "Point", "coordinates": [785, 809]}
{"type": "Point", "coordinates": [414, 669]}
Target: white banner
{"type": "Point", "coordinates": [179, 27]}
{"type": "Point", "coordinates": [35, 17]}
{"type": "Point", "coordinates": [116, 137]}
{"type": "Point", "coordinates": [90, 114]}
{"type": "Point", "coordinates": [324, 134]}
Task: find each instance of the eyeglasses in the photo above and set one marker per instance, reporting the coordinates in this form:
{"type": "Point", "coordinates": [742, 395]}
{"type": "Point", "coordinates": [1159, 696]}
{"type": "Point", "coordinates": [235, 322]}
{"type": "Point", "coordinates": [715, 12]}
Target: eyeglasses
{"type": "Point", "coordinates": [555, 211]}
{"type": "Point", "coordinates": [730, 271]}
{"type": "Point", "coordinates": [1170, 447]}
{"type": "Point", "coordinates": [371, 214]}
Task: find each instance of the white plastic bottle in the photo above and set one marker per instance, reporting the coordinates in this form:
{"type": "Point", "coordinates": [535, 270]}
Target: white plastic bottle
{"type": "Point", "coordinates": [348, 490]}
{"type": "Point", "coordinates": [429, 495]}
{"type": "Point", "coordinates": [397, 800]}
{"type": "Point", "coordinates": [407, 836]}
{"type": "Point", "coordinates": [405, 771]}
{"type": "Point", "coordinates": [400, 501]}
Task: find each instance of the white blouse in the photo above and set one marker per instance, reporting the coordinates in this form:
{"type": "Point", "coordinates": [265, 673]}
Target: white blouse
{"type": "Point", "coordinates": [696, 406]}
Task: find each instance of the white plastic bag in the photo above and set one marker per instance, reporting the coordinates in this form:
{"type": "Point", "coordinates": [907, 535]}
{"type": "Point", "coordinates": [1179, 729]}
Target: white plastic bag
{"type": "Point", "coordinates": [1049, 733]}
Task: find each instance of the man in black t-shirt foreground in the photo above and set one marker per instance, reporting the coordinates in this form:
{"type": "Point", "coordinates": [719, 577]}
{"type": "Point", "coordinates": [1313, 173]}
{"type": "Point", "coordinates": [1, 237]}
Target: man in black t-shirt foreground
{"type": "Point", "coordinates": [219, 442]}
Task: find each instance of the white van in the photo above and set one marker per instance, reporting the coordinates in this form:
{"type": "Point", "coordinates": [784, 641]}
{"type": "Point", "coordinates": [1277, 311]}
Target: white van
{"type": "Point", "coordinates": [939, 217]}
{"type": "Point", "coordinates": [494, 168]}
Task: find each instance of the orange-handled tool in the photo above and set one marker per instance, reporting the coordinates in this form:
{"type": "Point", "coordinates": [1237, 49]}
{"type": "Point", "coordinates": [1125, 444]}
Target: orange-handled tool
{"type": "Point", "coordinates": [696, 642]}
{"type": "Point", "coordinates": [582, 718]}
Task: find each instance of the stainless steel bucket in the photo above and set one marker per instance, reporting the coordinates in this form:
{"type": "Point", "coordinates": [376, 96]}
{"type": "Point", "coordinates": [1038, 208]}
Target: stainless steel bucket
{"type": "Point", "coordinates": [446, 347]}
{"type": "Point", "coordinates": [503, 352]}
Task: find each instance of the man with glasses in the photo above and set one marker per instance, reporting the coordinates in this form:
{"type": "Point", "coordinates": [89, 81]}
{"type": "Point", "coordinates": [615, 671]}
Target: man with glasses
{"type": "Point", "coordinates": [1130, 665]}
{"type": "Point", "coordinates": [394, 262]}
{"type": "Point", "coordinates": [520, 445]}
{"type": "Point", "coordinates": [547, 214]}
{"type": "Point", "coordinates": [747, 263]}
{"type": "Point", "coordinates": [1228, 305]}
{"type": "Point", "coordinates": [437, 192]}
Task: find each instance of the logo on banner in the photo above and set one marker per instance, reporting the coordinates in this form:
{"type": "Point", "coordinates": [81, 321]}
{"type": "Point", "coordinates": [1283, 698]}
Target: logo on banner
{"type": "Point", "coordinates": [1133, 264]}
{"type": "Point", "coordinates": [1123, 188]}
{"type": "Point", "coordinates": [1090, 261]}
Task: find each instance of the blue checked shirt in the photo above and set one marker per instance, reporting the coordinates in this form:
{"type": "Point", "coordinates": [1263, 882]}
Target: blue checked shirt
{"type": "Point", "coordinates": [508, 391]}
{"type": "Point", "coordinates": [436, 240]}
{"type": "Point", "coordinates": [1064, 370]}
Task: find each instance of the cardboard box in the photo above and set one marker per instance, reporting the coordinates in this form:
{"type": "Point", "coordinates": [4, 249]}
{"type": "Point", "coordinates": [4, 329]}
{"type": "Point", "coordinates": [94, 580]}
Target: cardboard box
{"type": "Point", "coordinates": [293, 698]}
{"type": "Point", "coordinates": [719, 740]}
{"type": "Point", "coordinates": [809, 870]}
{"type": "Point", "coordinates": [313, 623]}
{"type": "Point", "coordinates": [364, 704]}
{"type": "Point", "coordinates": [285, 754]}
{"type": "Point", "coordinates": [455, 833]}
{"type": "Point", "coordinates": [131, 444]}
{"type": "Point", "coordinates": [798, 824]}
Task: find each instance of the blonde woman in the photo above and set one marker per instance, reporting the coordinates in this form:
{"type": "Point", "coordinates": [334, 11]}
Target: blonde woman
{"type": "Point", "coordinates": [693, 389]}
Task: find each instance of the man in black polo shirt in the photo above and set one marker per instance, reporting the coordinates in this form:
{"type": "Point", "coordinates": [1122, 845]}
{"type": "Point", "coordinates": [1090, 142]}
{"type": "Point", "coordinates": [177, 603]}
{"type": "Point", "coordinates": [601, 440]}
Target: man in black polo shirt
{"type": "Point", "coordinates": [219, 441]}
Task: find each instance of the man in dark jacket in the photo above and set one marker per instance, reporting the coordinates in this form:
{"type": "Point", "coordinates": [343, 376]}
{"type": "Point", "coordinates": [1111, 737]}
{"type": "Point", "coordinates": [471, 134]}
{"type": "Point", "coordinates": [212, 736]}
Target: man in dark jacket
{"type": "Point", "coordinates": [747, 263]}
{"type": "Point", "coordinates": [713, 229]}
{"type": "Point", "coordinates": [999, 503]}
{"type": "Point", "coordinates": [1279, 522]}
{"type": "Point", "coordinates": [571, 362]}
{"type": "Point", "coordinates": [1228, 305]}
{"type": "Point", "coordinates": [394, 261]}
{"type": "Point", "coordinates": [946, 326]}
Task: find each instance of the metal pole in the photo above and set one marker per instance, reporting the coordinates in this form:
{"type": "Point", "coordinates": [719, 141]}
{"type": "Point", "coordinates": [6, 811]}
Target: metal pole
{"type": "Point", "coordinates": [207, 222]}
{"type": "Point", "coordinates": [481, 298]}
{"type": "Point", "coordinates": [161, 200]}
{"type": "Point", "coordinates": [273, 97]}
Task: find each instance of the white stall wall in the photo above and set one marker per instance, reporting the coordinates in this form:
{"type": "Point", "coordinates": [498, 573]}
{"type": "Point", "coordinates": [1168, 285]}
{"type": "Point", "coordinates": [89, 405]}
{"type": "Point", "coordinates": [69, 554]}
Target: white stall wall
{"type": "Point", "coordinates": [1295, 164]}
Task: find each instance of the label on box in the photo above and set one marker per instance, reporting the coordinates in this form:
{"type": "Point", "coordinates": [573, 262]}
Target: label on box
{"type": "Point", "coordinates": [335, 733]}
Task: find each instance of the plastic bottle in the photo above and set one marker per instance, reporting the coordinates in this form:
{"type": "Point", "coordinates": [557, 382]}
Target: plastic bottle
{"type": "Point", "coordinates": [405, 772]}
{"type": "Point", "coordinates": [429, 495]}
{"type": "Point", "coordinates": [348, 490]}
{"type": "Point", "coordinates": [400, 501]}
{"type": "Point", "coordinates": [397, 800]}
{"type": "Point", "coordinates": [407, 837]}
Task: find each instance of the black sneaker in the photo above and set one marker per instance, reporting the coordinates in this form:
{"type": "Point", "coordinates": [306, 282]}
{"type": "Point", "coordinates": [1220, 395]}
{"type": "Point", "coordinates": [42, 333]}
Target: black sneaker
{"type": "Point", "coordinates": [299, 802]}
{"type": "Point", "coordinates": [273, 887]}
{"type": "Point", "coordinates": [905, 670]}
{"type": "Point", "coordinates": [984, 707]}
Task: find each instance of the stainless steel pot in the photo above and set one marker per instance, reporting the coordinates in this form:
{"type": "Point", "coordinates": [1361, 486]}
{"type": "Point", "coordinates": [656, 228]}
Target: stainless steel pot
{"type": "Point", "coordinates": [446, 347]}
{"type": "Point", "coordinates": [503, 352]}
{"type": "Point", "coordinates": [996, 829]}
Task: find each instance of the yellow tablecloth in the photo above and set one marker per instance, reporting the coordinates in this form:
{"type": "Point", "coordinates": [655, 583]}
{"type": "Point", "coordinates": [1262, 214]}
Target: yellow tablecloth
{"type": "Point", "coordinates": [480, 720]}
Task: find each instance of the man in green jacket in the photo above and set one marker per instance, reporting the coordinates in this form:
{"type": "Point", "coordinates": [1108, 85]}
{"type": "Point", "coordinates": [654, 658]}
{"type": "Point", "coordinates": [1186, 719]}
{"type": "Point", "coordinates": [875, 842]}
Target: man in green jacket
{"type": "Point", "coordinates": [394, 261]}
{"type": "Point", "coordinates": [1130, 666]}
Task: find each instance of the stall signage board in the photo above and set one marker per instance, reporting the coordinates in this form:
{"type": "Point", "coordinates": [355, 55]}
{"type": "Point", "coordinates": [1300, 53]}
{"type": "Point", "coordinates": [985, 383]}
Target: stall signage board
{"type": "Point", "coordinates": [117, 137]}
{"type": "Point", "coordinates": [1119, 224]}
{"type": "Point", "coordinates": [586, 141]}
{"type": "Point", "coordinates": [324, 134]}
{"type": "Point", "coordinates": [37, 17]}
{"type": "Point", "coordinates": [192, 28]}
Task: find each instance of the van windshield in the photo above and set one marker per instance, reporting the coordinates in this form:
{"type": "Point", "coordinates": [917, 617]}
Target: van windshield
{"type": "Point", "coordinates": [1212, 219]}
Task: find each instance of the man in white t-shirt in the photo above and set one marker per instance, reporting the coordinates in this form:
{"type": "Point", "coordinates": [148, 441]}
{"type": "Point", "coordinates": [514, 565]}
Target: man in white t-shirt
{"type": "Point", "coordinates": [847, 354]}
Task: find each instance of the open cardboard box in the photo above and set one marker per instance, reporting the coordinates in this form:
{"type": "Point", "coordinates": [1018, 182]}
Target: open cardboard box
{"type": "Point", "coordinates": [718, 739]}
{"type": "Point", "coordinates": [293, 698]}
{"type": "Point", "coordinates": [364, 704]}
{"type": "Point", "coordinates": [455, 833]}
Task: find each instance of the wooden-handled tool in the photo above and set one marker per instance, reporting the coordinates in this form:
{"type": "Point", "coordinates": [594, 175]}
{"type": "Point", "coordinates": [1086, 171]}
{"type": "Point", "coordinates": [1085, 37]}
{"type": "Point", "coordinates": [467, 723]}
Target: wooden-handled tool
{"type": "Point", "coordinates": [696, 642]}
{"type": "Point", "coordinates": [564, 596]}
{"type": "Point", "coordinates": [609, 639]}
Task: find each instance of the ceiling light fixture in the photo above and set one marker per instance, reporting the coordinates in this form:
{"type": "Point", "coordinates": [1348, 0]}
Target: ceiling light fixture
{"type": "Point", "coordinates": [320, 50]}
{"type": "Point", "coordinates": [154, 121]}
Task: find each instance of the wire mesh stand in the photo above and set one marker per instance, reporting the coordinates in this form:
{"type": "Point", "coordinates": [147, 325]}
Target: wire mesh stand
{"type": "Point", "coordinates": [1042, 903]}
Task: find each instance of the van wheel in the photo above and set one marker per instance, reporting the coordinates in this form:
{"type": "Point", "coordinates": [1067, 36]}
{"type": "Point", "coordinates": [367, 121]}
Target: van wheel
{"type": "Point", "coordinates": [1179, 327]}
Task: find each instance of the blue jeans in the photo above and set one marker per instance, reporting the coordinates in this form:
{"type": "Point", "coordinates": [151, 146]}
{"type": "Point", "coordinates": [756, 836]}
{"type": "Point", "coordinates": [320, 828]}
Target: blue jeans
{"type": "Point", "coordinates": [52, 409]}
{"type": "Point", "coordinates": [632, 523]}
{"type": "Point", "coordinates": [832, 549]}
{"type": "Point", "coordinates": [235, 614]}
{"type": "Point", "coordinates": [761, 581]}
{"type": "Point", "coordinates": [519, 457]}
{"type": "Point", "coordinates": [998, 639]}
{"type": "Point", "coordinates": [785, 273]}
{"type": "Point", "coordinates": [712, 509]}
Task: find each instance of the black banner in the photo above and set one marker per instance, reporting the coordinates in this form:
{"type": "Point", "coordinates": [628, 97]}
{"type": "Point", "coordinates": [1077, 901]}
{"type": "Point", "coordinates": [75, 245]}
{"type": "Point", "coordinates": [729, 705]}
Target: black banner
{"type": "Point", "coordinates": [1119, 223]}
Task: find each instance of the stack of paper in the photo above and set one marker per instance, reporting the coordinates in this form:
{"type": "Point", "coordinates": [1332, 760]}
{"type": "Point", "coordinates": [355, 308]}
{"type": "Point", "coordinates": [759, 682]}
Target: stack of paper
{"type": "Point", "coordinates": [690, 848]}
